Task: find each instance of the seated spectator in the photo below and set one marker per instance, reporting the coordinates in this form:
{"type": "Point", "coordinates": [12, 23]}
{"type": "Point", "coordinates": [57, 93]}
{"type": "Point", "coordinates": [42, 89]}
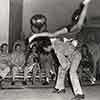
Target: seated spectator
{"type": "Point", "coordinates": [32, 63]}
{"type": "Point", "coordinates": [17, 61]}
{"type": "Point", "coordinates": [4, 62]}
{"type": "Point", "coordinates": [86, 64]}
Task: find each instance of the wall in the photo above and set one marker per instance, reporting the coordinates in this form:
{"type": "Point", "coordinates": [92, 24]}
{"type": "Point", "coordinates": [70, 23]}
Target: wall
{"type": "Point", "coordinates": [15, 21]}
{"type": "Point", "coordinates": [4, 20]}
{"type": "Point", "coordinates": [58, 12]}
{"type": "Point", "coordinates": [94, 9]}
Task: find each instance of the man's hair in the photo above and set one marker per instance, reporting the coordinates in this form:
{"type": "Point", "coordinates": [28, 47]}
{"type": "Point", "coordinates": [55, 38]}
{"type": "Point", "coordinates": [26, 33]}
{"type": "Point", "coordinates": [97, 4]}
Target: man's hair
{"type": "Point", "coordinates": [17, 45]}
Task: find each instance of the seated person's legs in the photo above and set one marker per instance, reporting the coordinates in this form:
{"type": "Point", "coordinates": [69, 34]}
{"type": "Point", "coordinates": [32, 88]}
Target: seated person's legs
{"type": "Point", "coordinates": [4, 72]}
{"type": "Point", "coordinates": [27, 69]}
{"type": "Point", "coordinates": [15, 71]}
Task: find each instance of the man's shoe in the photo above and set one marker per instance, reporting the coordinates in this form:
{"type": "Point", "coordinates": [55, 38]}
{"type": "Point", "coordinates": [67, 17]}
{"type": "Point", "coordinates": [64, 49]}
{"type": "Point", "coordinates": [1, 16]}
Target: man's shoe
{"type": "Point", "coordinates": [55, 90]}
{"type": "Point", "coordinates": [78, 97]}
{"type": "Point", "coordinates": [61, 91]}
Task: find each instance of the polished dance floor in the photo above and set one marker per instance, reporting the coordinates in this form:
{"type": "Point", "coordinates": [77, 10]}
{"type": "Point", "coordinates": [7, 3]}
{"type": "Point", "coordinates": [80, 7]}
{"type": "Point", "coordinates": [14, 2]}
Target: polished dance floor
{"type": "Point", "coordinates": [91, 93]}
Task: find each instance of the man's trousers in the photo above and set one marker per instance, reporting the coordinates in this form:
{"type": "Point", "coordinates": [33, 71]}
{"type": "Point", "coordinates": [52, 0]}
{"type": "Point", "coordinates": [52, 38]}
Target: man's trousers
{"type": "Point", "coordinates": [70, 62]}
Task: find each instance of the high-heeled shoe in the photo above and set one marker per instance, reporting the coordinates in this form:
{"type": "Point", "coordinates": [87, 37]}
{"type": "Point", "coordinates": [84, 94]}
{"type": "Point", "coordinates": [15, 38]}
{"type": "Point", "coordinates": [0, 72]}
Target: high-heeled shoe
{"type": "Point", "coordinates": [55, 90]}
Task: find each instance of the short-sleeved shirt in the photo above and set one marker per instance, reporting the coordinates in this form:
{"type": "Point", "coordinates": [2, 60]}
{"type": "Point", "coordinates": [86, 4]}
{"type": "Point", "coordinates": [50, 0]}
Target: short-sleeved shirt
{"type": "Point", "coordinates": [66, 48]}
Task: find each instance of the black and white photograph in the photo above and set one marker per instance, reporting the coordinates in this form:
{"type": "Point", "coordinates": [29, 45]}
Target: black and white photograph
{"type": "Point", "coordinates": [49, 49]}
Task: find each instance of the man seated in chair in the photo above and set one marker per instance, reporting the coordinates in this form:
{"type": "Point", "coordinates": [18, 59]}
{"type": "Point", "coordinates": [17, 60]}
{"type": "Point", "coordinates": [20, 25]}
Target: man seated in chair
{"type": "Point", "coordinates": [17, 61]}
{"type": "Point", "coordinates": [4, 62]}
{"type": "Point", "coordinates": [86, 64]}
{"type": "Point", "coordinates": [32, 63]}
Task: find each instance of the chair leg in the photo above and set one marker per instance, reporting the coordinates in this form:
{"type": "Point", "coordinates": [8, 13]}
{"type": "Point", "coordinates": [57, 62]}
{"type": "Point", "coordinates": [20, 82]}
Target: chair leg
{"type": "Point", "coordinates": [33, 77]}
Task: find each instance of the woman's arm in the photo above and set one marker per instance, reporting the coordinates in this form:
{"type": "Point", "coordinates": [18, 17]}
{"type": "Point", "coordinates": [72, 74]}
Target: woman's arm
{"type": "Point", "coordinates": [82, 16]}
{"type": "Point", "coordinates": [73, 29]}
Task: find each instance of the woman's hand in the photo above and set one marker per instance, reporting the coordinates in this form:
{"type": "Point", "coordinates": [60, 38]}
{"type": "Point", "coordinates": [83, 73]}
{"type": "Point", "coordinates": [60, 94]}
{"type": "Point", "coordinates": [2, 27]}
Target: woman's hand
{"type": "Point", "coordinates": [86, 1]}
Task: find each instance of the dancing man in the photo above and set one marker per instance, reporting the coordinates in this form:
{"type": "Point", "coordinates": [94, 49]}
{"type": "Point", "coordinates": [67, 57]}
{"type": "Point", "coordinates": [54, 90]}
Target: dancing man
{"type": "Point", "coordinates": [68, 56]}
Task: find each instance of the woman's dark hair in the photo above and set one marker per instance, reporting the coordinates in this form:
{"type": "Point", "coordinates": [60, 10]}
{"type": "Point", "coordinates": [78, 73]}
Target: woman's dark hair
{"type": "Point", "coordinates": [38, 17]}
{"type": "Point", "coordinates": [38, 21]}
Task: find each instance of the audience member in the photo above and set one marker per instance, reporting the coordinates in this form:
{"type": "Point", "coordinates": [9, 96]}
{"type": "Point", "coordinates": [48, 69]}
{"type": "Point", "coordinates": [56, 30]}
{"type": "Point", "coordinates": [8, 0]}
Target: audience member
{"type": "Point", "coordinates": [17, 61]}
{"type": "Point", "coordinates": [4, 61]}
{"type": "Point", "coordinates": [32, 63]}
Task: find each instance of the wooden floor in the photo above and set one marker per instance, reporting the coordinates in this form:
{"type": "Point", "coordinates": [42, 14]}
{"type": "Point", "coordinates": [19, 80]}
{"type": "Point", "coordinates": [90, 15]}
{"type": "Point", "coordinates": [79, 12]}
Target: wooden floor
{"type": "Point", "coordinates": [91, 93]}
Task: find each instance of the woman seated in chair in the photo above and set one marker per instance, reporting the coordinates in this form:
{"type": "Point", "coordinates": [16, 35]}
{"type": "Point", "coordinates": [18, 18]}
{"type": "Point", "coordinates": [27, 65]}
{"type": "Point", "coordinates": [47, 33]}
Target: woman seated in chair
{"type": "Point", "coordinates": [38, 25]}
{"type": "Point", "coordinates": [4, 62]}
{"type": "Point", "coordinates": [86, 64]}
{"type": "Point", "coordinates": [32, 63]}
{"type": "Point", "coordinates": [17, 61]}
